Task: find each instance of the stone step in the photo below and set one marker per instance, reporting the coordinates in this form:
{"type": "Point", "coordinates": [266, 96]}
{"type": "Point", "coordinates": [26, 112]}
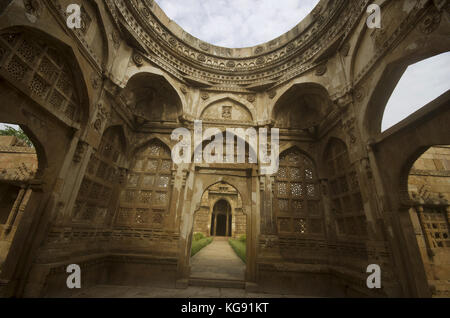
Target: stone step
{"type": "Point", "coordinates": [217, 283]}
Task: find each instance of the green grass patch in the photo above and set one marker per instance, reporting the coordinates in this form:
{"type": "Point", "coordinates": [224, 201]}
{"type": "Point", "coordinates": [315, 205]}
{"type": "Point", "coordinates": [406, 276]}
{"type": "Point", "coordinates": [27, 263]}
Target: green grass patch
{"type": "Point", "coordinates": [240, 247]}
{"type": "Point", "coordinates": [197, 245]}
{"type": "Point", "coordinates": [198, 236]}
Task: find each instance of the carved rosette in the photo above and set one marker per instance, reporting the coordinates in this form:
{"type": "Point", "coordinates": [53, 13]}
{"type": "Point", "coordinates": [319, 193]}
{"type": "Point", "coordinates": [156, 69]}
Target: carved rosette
{"type": "Point", "coordinates": [359, 94]}
{"type": "Point", "coordinates": [272, 94]}
{"type": "Point", "coordinates": [172, 41]}
{"type": "Point", "coordinates": [344, 101]}
{"type": "Point", "coordinates": [205, 95]}
{"type": "Point", "coordinates": [290, 47]}
{"type": "Point", "coordinates": [201, 57]}
{"type": "Point", "coordinates": [138, 59]}
{"type": "Point", "coordinates": [204, 46]}
{"type": "Point", "coordinates": [259, 50]}
{"type": "Point", "coordinates": [102, 117]}
{"type": "Point", "coordinates": [251, 98]}
{"type": "Point", "coordinates": [321, 69]}
{"type": "Point", "coordinates": [349, 127]}
{"type": "Point", "coordinates": [96, 81]}
{"type": "Point", "coordinates": [430, 22]}
{"type": "Point", "coordinates": [231, 64]}
{"type": "Point", "coordinates": [33, 7]}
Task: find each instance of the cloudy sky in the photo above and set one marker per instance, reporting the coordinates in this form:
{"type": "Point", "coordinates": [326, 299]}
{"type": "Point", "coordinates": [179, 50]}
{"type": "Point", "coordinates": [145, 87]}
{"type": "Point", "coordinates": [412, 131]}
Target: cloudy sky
{"type": "Point", "coordinates": [237, 23]}
{"type": "Point", "coordinates": [242, 23]}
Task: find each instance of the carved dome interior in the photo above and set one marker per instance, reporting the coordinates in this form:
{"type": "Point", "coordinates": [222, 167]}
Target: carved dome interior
{"type": "Point", "coordinates": [152, 98]}
{"type": "Point", "coordinates": [302, 107]}
{"type": "Point", "coordinates": [305, 47]}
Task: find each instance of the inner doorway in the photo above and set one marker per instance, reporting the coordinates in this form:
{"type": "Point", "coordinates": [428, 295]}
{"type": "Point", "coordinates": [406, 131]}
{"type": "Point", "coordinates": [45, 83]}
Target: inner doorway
{"type": "Point", "coordinates": [221, 219]}
{"type": "Point", "coordinates": [219, 222]}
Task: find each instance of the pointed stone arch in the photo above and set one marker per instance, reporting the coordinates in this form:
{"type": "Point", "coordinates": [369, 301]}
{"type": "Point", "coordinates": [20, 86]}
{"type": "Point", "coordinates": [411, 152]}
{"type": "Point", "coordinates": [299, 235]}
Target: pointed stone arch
{"type": "Point", "coordinates": [147, 74]}
{"type": "Point", "coordinates": [32, 60]}
{"type": "Point", "coordinates": [309, 100]}
{"type": "Point", "coordinates": [238, 101]}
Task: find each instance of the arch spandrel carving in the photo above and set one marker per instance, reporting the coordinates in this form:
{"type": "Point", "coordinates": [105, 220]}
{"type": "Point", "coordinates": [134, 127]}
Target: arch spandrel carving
{"type": "Point", "coordinates": [152, 98]}
{"type": "Point", "coordinates": [302, 106]}
{"type": "Point", "coordinates": [227, 110]}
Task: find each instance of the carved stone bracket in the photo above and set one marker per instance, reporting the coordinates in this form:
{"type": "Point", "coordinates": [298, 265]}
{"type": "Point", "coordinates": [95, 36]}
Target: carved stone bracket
{"type": "Point", "coordinates": [262, 183]}
{"type": "Point", "coordinates": [344, 102]}
{"type": "Point", "coordinates": [80, 151]}
{"type": "Point", "coordinates": [430, 22]}
{"type": "Point", "coordinates": [321, 69]}
{"type": "Point", "coordinates": [138, 59]}
{"type": "Point", "coordinates": [365, 164]}
{"type": "Point", "coordinates": [349, 127]}
{"type": "Point", "coordinates": [33, 9]}
{"type": "Point", "coordinates": [122, 175]}
{"type": "Point", "coordinates": [96, 81]}
{"type": "Point", "coordinates": [102, 117]}
{"type": "Point", "coordinates": [185, 175]}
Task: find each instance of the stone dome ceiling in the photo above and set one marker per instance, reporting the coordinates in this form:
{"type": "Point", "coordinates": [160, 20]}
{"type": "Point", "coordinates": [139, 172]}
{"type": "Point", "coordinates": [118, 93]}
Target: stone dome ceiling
{"type": "Point", "coordinates": [305, 47]}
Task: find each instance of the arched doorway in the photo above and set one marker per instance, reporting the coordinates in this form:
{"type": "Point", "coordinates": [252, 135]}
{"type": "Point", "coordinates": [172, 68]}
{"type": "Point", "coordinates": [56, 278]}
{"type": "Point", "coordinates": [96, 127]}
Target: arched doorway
{"type": "Point", "coordinates": [221, 219]}
{"type": "Point", "coordinates": [429, 192]}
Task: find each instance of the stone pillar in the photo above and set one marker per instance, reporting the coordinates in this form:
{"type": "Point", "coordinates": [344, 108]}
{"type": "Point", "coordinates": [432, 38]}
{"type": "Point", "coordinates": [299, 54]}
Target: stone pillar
{"type": "Point", "coordinates": [176, 184]}
{"type": "Point", "coordinates": [187, 210]}
{"type": "Point", "coordinates": [74, 175]}
{"type": "Point", "coordinates": [393, 223]}
{"type": "Point", "coordinates": [21, 252]}
{"type": "Point", "coordinates": [228, 223]}
{"type": "Point", "coordinates": [215, 223]}
{"type": "Point", "coordinates": [253, 224]}
{"type": "Point", "coordinates": [14, 211]}
{"type": "Point", "coordinates": [268, 223]}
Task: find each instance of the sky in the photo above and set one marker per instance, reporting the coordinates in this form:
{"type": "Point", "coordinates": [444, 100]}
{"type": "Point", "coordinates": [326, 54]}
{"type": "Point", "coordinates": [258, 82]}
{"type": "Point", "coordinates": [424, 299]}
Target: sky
{"type": "Point", "coordinates": [420, 84]}
{"type": "Point", "coordinates": [237, 23]}
{"type": "Point", "coordinates": [243, 23]}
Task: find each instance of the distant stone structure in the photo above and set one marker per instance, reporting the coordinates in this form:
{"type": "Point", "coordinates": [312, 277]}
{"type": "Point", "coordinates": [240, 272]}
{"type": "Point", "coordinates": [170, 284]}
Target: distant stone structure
{"type": "Point", "coordinates": [18, 164]}
{"type": "Point", "coordinates": [429, 185]}
{"type": "Point", "coordinates": [100, 104]}
{"type": "Point", "coordinates": [221, 212]}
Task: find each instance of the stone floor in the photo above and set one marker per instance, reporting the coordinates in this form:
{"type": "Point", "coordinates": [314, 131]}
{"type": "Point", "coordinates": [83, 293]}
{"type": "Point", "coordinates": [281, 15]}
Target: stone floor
{"type": "Point", "coordinates": [109, 291]}
{"type": "Point", "coordinates": [217, 261]}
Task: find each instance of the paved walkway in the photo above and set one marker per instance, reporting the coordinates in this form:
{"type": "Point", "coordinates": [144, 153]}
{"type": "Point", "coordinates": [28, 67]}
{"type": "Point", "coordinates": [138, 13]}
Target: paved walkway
{"type": "Point", "coordinates": [217, 261]}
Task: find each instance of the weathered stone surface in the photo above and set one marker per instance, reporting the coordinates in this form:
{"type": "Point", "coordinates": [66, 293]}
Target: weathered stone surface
{"type": "Point", "coordinates": [100, 104]}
